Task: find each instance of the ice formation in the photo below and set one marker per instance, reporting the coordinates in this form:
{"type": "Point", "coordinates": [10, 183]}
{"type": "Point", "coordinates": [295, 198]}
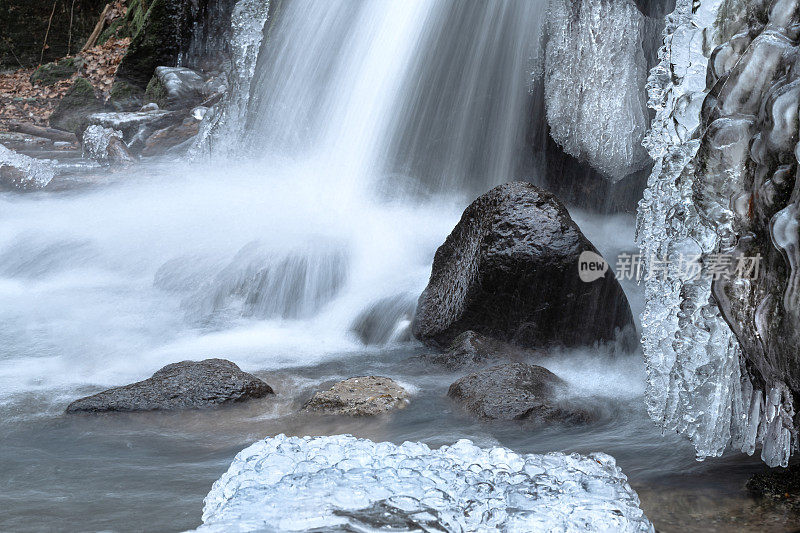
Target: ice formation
{"type": "Point", "coordinates": [594, 71]}
{"type": "Point", "coordinates": [714, 89]}
{"type": "Point", "coordinates": [342, 483]}
{"type": "Point", "coordinates": [95, 141]}
{"type": "Point", "coordinates": [226, 120]}
{"type": "Point", "coordinates": [35, 173]}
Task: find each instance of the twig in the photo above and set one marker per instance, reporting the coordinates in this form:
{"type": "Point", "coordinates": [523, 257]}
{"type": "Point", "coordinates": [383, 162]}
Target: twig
{"type": "Point", "coordinates": [47, 33]}
{"type": "Point", "coordinates": [69, 39]}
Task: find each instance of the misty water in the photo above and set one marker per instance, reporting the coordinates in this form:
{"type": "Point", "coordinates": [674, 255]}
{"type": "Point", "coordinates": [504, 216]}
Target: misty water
{"type": "Point", "coordinates": [371, 126]}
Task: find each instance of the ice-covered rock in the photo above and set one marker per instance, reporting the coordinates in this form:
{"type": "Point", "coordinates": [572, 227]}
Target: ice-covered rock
{"type": "Point", "coordinates": [183, 86]}
{"type": "Point", "coordinates": [594, 71]}
{"type": "Point", "coordinates": [341, 483]}
{"type": "Point", "coordinates": [721, 354]}
{"type": "Point", "coordinates": [20, 172]}
{"type": "Point", "coordinates": [96, 139]}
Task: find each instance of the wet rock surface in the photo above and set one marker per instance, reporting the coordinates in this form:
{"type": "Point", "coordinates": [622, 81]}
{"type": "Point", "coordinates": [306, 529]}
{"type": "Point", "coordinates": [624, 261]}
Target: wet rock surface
{"type": "Point", "coordinates": [386, 320]}
{"type": "Point", "coordinates": [184, 385]}
{"type": "Point", "coordinates": [509, 270]}
{"type": "Point", "coordinates": [471, 349]}
{"type": "Point", "coordinates": [515, 391]}
{"type": "Point", "coordinates": [360, 396]}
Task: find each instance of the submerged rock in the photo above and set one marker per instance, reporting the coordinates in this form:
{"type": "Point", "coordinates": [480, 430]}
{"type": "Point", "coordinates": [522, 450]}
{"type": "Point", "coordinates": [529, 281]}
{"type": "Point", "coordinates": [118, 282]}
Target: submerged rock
{"type": "Point", "coordinates": [361, 396]}
{"type": "Point", "coordinates": [515, 391]}
{"type": "Point", "coordinates": [387, 320]}
{"type": "Point", "coordinates": [341, 483]}
{"type": "Point", "coordinates": [184, 385]}
{"type": "Point", "coordinates": [472, 349]}
{"type": "Point", "coordinates": [73, 108]}
{"type": "Point", "coordinates": [509, 270]}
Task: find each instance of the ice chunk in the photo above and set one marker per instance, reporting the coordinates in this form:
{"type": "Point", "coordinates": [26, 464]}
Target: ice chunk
{"type": "Point", "coordinates": [23, 172]}
{"type": "Point", "coordinates": [595, 69]}
{"type": "Point", "coordinates": [349, 484]}
{"type": "Point", "coordinates": [95, 141]}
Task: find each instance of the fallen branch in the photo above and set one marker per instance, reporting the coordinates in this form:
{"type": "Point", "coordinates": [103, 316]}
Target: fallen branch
{"type": "Point", "coordinates": [40, 131]}
{"type": "Point", "coordinates": [98, 29]}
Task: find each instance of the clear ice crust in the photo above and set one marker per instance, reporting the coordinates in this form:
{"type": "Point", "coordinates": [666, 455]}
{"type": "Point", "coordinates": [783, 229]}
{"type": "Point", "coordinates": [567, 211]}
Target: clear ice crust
{"type": "Point", "coordinates": [708, 91]}
{"type": "Point", "coordinates": [342, 483]}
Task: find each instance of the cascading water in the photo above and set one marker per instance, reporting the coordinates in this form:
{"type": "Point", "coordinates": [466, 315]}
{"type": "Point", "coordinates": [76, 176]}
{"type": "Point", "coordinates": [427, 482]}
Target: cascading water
{"type": "Point", "coordinates": [337, 112]}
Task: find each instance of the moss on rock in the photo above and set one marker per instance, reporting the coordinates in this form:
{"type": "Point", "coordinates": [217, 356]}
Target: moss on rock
{"type": "Point", "coordinates": [79, 102]}
{"type": "Point", "coordinates": [52, 73]}
{"type": "Point", "coordinates": [156, 43]}
{"type": "Point", "coordinates": [156, 92]}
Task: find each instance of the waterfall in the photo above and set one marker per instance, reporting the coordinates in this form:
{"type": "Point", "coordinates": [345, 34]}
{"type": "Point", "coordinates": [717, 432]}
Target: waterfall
{"type": "Point", "coordinates": [432, 90]}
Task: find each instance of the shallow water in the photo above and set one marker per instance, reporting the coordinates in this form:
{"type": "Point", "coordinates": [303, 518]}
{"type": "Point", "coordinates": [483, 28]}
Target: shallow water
{"type": "Point", "coordinates": [104, 285]}
{"type": "Point", "coordinates": [150, 472]}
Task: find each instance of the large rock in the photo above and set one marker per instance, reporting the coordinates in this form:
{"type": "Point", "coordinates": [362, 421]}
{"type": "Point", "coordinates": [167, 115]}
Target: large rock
{"type": "Point", "coordinates": [515, 391]}
{"type": "Point", "coordinates": [73, 108]}
{"type": "Point", "coordinates": [184, 385]}
{"type": "Point", "coordinates": [509, 270]}
{"type": "Point", "coordinates": [472, 349]}
{"type": "Point", "coordinates": [361, 396]}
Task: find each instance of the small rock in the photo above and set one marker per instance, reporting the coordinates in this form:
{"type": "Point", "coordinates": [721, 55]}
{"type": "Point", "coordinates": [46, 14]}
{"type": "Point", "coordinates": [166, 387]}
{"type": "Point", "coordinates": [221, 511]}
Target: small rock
{"type": "Point", "coordinates": [159, 142]}
{"type": "Point", "coordinates": [471, 349]}
{"type": "Point", "coordinates": [184, 385]}
{"type": "Point", "coordinates": [361, 396]}
{"type": "Point", "coordinates": [515, 391]}
{"type": "Point", "coordinates": [118, 153]}
{"type": "Point", "coordinates": [152, 106]}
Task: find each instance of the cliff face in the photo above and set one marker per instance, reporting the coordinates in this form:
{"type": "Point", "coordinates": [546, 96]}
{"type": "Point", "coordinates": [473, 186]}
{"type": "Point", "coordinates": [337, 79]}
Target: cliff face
{"type": "Point", "coordinates": [722, 347]}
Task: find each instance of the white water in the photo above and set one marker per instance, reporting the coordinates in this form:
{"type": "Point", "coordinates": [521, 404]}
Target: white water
{"type": "Point", "coordinates": [268, 258]}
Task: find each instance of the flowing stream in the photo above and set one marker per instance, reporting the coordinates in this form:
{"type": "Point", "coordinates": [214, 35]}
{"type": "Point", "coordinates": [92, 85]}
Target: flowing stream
{"type": "Point", "coordinates": [371, 126]}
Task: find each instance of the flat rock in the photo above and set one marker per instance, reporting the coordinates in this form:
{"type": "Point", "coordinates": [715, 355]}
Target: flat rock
{"type": "Point", "coordinates": [360, 396]}
{"type": "Point", "coordinates": [515, 391]}
{"type": "Point", "coordinates": [184, 385]}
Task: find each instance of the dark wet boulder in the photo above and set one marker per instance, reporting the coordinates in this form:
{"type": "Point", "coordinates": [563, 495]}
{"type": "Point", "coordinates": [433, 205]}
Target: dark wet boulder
{"type": "Point", "coordinates": [360, 396]}
{"type": "Point", "coordinates": [509, 270]}
{"type": "Point", "coordinates": [79, 102]}
{"type": "Point", "coordinates": [184, 385]}
{"type": "Point", "coordinates": [471, 349]}
{"type": "Point", "coordinates": [515, 391]}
